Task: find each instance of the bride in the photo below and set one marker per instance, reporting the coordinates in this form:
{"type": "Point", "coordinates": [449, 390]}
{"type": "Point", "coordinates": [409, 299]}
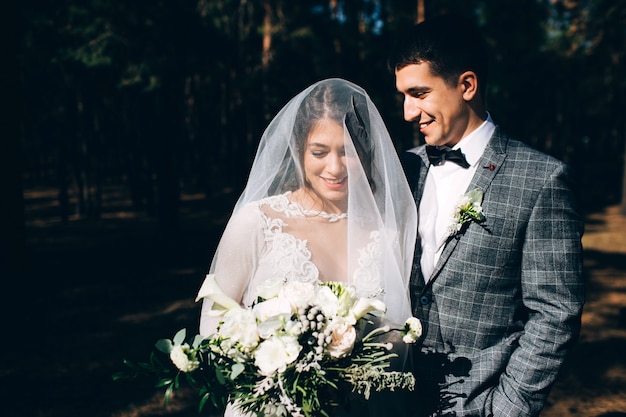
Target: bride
{"type": "Point", "coordinates": [326, 200]}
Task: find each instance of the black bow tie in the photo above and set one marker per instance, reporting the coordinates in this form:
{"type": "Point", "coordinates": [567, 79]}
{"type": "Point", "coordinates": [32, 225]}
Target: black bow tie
{"type": "Point", "coordinates": [438, 154]}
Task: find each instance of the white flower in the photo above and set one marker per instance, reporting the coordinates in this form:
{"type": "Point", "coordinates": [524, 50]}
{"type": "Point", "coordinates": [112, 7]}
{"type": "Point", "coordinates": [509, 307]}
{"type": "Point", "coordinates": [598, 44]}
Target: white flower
{"type": "Point", "coordinates": [184, 358]}
{"type": "Point", "coordinates": [298, 294]}
{"type": "Point", "coordinates": [239, 326]}
{"type": "Point", "coordinates": [269, 288]}
{"type": "Point", "coordinates": [347, 298]}
{"type": "Point", "coordinates": [280, 355]}
{"type": "Point", "coordinates": [412, 330]}
{"type": "Point", "coordinates": [468, 209]}
{"type": "Point", "coordinates": [274, 409]}
{"type": "Point", "coordinates": [293, 328]}
{"type": "Point", "coordinates": [279, 325]}
{"type": "Point", "coordinates": [272, 307]}
{"type": "Point", "coordinates": [327, 301]}
{"type": "Point", "coordinates": [367, 305]}
{"type": "Point", "coordinates": [343, 336]}
{"type": "Point", "coordinates": [272, 326]}
{"type": "Point", "coordinates": [273, 355]}
{"type": "Point", "coordinates": [221, 302]}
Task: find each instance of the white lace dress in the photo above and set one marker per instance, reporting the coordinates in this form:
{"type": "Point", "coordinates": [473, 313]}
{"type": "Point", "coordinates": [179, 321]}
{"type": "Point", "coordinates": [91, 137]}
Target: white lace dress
{"type": "Point", "coordinates": [277, 239]}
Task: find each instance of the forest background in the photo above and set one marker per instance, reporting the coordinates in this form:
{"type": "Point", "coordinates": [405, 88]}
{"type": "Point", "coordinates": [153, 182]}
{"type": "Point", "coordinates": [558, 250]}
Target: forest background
{"type": "Point", "coordinates": [131, 127]}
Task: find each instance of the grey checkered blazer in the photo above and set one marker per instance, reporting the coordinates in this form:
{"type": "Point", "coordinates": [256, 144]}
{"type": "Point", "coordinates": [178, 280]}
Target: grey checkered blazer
{"type": "Point", "coordinates": [503, 305]}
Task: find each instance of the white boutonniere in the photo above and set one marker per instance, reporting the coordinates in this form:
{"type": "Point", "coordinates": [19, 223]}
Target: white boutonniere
{"type": "Point", "coordinates": [468, 209]}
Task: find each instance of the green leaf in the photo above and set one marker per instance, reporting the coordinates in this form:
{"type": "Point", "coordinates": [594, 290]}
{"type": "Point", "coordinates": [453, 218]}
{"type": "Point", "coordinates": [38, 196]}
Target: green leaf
{"type": "Point", "coordinates": [203, 401]}
{"type": "Point", "coordinates": [164, 345]}
{"type": "Point", "coordinates": [164, 382]}
{"type": "Point", "coordinates": [118, 376]}
{"type": "Point", "coordinates": [236, 370]}
{"type": "Point", "coordinates": [155, 363]}
{"type": "Point", "coordinates": [190, 379]}
{"type": "Point", "coordinates": [476, 195]}
{"type": "Point", "coordinates": [168, 394]}
{"type": "Point", "coordinates": [179, 337]}
{"type": "Point", "coordinates": [197, 340]}
{"type": "Point", "coordinates": [220, 377]}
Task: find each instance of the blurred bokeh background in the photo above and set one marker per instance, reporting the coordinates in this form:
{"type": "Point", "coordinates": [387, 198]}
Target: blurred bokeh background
{"type": "Point", "coordinates": [129, 129]}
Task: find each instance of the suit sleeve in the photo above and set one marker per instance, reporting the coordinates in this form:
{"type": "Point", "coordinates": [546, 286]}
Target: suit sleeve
{"type": "Point", "coordinates": [553, 294]}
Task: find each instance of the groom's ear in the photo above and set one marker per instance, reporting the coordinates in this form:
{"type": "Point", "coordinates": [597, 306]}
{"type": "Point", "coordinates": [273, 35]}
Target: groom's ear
{"type": "Point", "coordinates": [468, 82]}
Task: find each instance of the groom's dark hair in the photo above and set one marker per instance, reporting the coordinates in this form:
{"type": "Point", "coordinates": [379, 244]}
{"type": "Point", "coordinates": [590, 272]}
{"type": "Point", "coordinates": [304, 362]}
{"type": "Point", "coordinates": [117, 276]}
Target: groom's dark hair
{"type": "Point", "coordinates": [451, 44]}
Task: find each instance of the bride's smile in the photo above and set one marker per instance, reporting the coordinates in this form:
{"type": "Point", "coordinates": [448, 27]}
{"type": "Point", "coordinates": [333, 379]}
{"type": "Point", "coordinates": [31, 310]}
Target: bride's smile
{"type": "Point", "coordinates": [325, 166]}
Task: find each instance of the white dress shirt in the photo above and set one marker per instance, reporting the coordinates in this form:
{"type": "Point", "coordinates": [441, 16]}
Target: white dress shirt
{"type": "Point", "coordinates": [445, 185]}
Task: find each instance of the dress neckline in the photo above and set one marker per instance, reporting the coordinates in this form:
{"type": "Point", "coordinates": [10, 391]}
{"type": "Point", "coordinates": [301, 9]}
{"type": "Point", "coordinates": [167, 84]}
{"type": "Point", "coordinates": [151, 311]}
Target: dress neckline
{"type": "Point", "coordinates": [297, 207]}
{"type": "Point", "coordinates": [331, 217]}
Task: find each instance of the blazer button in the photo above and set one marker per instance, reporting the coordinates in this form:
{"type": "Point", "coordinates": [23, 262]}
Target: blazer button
{"type": "Point", "coordinates": [424, 299]}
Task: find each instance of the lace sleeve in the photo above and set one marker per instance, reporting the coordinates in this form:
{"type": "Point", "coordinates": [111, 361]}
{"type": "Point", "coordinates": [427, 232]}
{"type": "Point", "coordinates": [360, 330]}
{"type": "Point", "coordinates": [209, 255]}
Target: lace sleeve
{"type": "Point", "coordinates": [235, 260]}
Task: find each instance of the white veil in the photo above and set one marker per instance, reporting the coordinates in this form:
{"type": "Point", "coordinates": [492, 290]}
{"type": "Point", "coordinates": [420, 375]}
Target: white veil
{"type": "Point", "coordinates": [380, 203]}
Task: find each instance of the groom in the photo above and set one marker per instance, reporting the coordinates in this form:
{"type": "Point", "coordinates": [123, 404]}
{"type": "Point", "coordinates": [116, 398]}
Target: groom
{"type": "Point", "coordinates": [498, 287]}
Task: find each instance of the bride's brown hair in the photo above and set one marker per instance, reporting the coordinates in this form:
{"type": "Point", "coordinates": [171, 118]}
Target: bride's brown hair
{"type": "Point", "coordinates": [335, 101]}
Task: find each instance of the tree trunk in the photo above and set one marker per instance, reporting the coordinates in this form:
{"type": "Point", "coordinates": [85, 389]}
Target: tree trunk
{"type": "Point", "coordinates": [421, 14]}
{"type": "Point", "coordinates": [168, 188]}
{"type": "Point", "coordinates": [266, 56]}
{"type": "Point", "coordinates": [12, 228]}
{"type": "Point", "coordinates": [623, 203]}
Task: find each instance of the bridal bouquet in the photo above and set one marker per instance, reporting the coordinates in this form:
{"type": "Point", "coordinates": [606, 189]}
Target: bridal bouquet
{"type": "Point", "coordinates": [298, 351]}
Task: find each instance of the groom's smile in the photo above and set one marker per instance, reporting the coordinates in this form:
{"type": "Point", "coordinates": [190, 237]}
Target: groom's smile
{"type": "Point", "coordinates": [435, 104]}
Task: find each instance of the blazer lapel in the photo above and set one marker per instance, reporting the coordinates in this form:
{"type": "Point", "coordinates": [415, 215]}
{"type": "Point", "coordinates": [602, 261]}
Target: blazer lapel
{"type": "Point", "coordinates": [416, 163]}
{"type": "Point", "coordinates": [488, 166]}
{"type": "Point", "coordinates": [490, 163]}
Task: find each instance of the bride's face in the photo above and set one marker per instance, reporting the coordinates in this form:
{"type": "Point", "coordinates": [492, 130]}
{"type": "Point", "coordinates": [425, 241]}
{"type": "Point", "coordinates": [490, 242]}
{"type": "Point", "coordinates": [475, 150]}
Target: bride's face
{"type": "Point", "coordinates": [325, 166]}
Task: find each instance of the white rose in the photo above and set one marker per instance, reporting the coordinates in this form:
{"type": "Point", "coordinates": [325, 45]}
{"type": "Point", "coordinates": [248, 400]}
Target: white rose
{"type": "Point", "coordinates": [272, 307]}
{"type": "Point", "coordinates": [269, 288]}
{"type": "Point", "coordinates": [297, 294]}
{"type": "Point", "coordinates": [273, 355]}
{"type": "Point", "coordinates": [240, 326]}
{"type": "Point", "coordinates": [412, 330]}
{"type": "Point", "coordinates": [183, 358]}
{"type": "Point", "coordinates": [327, 301]}
{"type": "Point", "coordinates": [279, 325]}
{"type": "Point", "coordinates": [343, 337]}
{"type": "Point", "coordinates": [273, 325]}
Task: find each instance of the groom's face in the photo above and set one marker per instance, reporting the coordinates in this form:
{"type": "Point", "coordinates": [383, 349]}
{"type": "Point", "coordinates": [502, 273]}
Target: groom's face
{"type": "Point", "coordinates": [438, 107]}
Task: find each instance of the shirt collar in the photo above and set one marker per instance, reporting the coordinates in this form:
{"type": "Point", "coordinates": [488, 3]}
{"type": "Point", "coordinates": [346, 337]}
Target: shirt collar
{"type": "Point", "coordinates": [474, 144]}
